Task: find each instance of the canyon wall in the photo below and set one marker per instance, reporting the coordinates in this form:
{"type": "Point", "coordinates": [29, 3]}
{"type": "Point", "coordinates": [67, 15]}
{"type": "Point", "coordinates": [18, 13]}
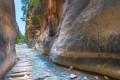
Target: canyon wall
{"type": "Point", "coordinates": [84, 34]}
{"type": "Point", "coordinates": [8, 32]}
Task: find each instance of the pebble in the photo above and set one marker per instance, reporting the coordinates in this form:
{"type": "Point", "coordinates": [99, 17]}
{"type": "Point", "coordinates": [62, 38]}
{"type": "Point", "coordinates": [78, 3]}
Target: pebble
{"type": "Point", "coordinates": [71, 67]}
{"type": "Point", "coordinates": [72, 76]}
{"type": "Point", "coordinates": [85, 78]}
{"type": "Point", "coordinates": [106, 77]}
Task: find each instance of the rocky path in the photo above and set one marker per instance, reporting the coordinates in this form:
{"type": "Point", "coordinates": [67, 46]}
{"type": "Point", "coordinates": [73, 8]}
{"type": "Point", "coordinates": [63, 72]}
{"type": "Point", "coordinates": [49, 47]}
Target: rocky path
{"type": "Point", "coordinates": [22, 69]}
{"type": "Point", "coordinates": [33, 65]}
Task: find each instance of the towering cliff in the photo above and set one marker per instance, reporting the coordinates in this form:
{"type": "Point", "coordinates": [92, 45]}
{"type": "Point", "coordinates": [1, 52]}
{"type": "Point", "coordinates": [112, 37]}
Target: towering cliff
{"type": "Point", "coordinates": [80, 33]}
{"type": "Point", "coordinates": [8, 31]}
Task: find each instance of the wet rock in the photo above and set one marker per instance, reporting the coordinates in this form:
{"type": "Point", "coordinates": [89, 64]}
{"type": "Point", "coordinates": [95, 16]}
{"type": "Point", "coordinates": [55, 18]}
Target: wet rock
{"type": "Point", "coordinates": [8, 31]}
{"type": "Point", "coordinates": [81, 33]}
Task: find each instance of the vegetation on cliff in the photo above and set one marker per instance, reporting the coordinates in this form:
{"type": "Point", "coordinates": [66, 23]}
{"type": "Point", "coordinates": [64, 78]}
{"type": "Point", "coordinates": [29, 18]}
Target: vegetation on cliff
{"type": "Point", "coordinates": [20, 38]}
{"type": "Point", "coordinates": [26, 4]}
{"type": "Point", "coordinates": [31, 10]}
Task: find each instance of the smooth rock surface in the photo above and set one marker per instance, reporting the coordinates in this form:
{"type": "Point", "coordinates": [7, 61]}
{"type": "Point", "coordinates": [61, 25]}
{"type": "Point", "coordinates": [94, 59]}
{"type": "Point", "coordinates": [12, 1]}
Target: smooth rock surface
{"type": "Point", "coordinates": [8, 31]}
{"type": "Point", "coordinates": [84, 34]}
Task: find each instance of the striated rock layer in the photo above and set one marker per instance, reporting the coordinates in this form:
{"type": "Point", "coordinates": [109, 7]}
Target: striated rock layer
{"type": "Point", "coordinates": [8, 31]}
{"type": "Point", "coordinates": [81, 33]}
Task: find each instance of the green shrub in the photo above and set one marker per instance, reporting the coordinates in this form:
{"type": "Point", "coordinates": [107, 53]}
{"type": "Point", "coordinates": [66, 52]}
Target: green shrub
{"type": "Point", "coordinates": [20, 38]}
{"type": "Point", "coordinates": [34, 2]}
{"type": "Point", "coordinates": [35, 19]}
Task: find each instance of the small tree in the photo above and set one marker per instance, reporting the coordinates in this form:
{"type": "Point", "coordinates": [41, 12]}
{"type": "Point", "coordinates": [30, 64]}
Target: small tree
{"type": "Point", "coordinates": [20, 38]}
{"type": "Point", "coordinates": [27, 3]}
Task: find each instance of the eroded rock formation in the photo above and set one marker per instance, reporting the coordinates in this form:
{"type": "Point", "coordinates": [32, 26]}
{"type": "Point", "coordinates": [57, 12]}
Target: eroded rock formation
{"type": "Point", "coordinates": [81, 33]}
{"type": "Point", "coordinates": [8, 32]}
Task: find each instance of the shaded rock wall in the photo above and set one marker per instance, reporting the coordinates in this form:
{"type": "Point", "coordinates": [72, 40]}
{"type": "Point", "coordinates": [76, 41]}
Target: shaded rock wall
{"type": "Point", "coordinates": [32, 25]}
{"type": "Point", "coordinates": [8, 31]}
{"type": "Point", "coordinates": [29, 30]}
{"type": "Point", "coordinates": [82, 33]}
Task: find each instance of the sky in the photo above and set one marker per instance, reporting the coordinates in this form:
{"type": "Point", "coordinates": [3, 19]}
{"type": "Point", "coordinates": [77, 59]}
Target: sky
{"type": "Point", "coordinates": [19, 14]}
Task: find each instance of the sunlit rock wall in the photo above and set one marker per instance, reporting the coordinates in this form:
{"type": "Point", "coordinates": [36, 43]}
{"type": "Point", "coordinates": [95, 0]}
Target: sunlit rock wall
{"type": "Point", "coordinates": [8, 31]}
{"type": "Point", "coordinates": [84, 34]}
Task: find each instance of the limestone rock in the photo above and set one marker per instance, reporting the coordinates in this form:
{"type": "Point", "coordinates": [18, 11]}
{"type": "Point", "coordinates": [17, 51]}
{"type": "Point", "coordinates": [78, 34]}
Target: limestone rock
{"type": "Point", "coordinates": [81, 33]}
{"type": "Point", "coordinates": [8, 31]}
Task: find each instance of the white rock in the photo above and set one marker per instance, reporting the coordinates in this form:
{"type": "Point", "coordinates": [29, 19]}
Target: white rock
{"type": "Point", "coordinates": [72, 76]}
{"type": "Point", "coordinates": [106, 77]}
{"type": "Point", "coordinates": [85, 78]}
{"type": "Point", "coordinates": [71, 67]}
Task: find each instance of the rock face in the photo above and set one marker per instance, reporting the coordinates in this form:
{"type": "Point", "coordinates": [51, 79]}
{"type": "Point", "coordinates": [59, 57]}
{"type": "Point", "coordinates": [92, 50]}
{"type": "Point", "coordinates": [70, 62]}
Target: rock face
{"type": "Point", "coordinates": [84, 34]}
{"type": "Point", "coordinates": [8, 31]}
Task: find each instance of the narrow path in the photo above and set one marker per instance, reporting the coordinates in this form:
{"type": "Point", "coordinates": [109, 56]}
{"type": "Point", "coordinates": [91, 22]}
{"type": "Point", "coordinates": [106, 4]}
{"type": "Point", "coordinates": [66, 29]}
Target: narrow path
{"type": "Point", "coordinates": [22, 69]}
{"type": "Point", "coordinates": [33, 65]}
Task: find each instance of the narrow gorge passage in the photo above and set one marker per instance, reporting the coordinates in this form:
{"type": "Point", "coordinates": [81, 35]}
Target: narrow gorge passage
{"type": "Point", "coordinates": [82, 36]}
{"type": "Point", "coordinates": [33, 65]}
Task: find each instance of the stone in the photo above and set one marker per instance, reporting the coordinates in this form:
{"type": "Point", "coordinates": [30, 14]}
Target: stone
{"type": "Point", "coordinates": [85, 78]}
{"type": "Point", "coordinates": [72, 76]}
{"type": "Point", "coordinates": [8, 32]}
{"type": "Point", "coordinates": [106, 78]}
